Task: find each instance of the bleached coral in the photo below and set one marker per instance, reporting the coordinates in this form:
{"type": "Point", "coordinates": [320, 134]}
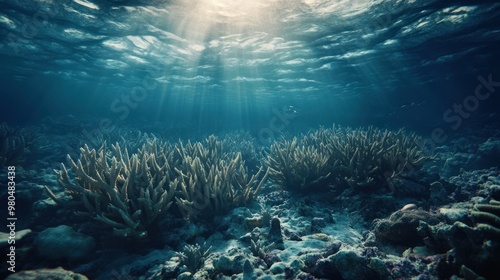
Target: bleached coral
{"type": "Point", "coordinates": [370, 156]}
{"type": "Point", "coordinates": [361, 158]}
{"type": "Point", "coordinates": [194, 256]}
{"type": "Point", "coordinates": [297, 165]}
{"type": "Point", "coordinates": [213, 181]}
{"type": "Point", "coordinates": [243, 142]}
{"type": "Point", "coordinates": [126, 192]}
{"type": "Point", "coordinates": [129, 192]}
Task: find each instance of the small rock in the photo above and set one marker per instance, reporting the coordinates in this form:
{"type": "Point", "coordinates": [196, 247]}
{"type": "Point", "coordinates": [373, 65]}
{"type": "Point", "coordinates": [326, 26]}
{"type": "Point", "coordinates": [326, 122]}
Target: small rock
{"type": "Point", "coordinates": [409, 207]}
{"type": "Point", "coordinates": [352, 266]}
{"type": "Point", "coordinates": [55, 273]}
{"type": "Point", "coordinates": [63, 242]}
{"type": "Point", "coordinates": [325, 268]}
{"type": "Point", "coordinates": [453, 214]}
{"type": "Point", "coordinates": [223, 264]}
{"type": "Point", "coordinates": [317, 224]}
{"type": "Point", "coordinates": [294, 237]}
{"type": "Point", "coordinates": [310, 259]}
{"type": "Point", "coordinates": [271, 258]}
{"type": "Point", "coordinates": [253, 222]}
{"type": "Point", "coordinates": [277, 268]}
{"type": "Point", "coordinates": [401, 227]}
{"type": "Point", "coordinates": [379, 267]}
{"type": "Point", "coordinates": [332, 248]}
{"type": "Point", "coordinates": [490, 148]}
{"type": "Point", "coordinates": [275, 234]}
{"type": "Point", "coordinates": [185, 276]}
{"type": "Point", "coordinates": [422, 251]}
{"type": "Point", "coordinates": [248, 271]}
{"type": "Point", "coordinates": [298, 264]}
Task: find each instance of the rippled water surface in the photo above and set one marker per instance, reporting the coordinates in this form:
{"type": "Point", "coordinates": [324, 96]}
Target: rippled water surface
{"type": "Point", "coordinates": [248, 52]}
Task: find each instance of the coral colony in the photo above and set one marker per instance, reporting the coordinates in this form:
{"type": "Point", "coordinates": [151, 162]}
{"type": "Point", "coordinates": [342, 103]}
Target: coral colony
{"type": "Point", "coordinates": [308, 205]}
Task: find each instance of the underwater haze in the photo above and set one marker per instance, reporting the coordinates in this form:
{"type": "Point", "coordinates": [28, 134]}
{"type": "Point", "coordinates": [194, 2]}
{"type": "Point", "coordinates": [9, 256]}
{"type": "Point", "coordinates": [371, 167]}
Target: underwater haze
{"type": "Point", "coordinates": [230, 63]}
{"type": "Point", "coordinates": [263, 139]}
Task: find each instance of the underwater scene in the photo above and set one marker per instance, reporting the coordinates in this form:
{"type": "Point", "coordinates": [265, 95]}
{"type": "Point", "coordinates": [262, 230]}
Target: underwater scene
{"type": "Point", "coordinates": [263, 139]}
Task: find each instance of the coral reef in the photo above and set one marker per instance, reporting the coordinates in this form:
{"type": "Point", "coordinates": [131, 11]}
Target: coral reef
{"type": "Point", "coordinates": [361, 158]}
{"type": "Point", "coordinates": [193, 257]}
{"type": "Point", "coordinates": [469, 237]}
{"type": "Point", "coordinates": [466, 153]}
{"type": "Point", "coordinates": [213, 181]}
{"type": "Point", "coordinates": [298, 166]}
{"type": "Point", "coordinates": [241, 141]}
{"type": "Point", "coordinates": [130, 192]}
{"type": "Point", "coordinates": [170, 194]}
{"type": "Point", "coordinates": [370, 156]}
{"type": "Point", "coordinates": [125, 192]}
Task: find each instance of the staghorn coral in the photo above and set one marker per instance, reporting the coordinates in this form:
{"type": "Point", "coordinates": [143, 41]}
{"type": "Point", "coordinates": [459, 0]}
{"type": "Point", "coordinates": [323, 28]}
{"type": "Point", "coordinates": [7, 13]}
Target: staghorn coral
{"type": "Point", "coordinates": [130, 192]}
{"type": "Point", "coordinates": [125, 192]}
{"type": "Point", "coordinates": [213, 181]}
{"type": "Point", "coordinates": [371, 156]}
{"type": "Point", "coordinates": [241, 141]}
{"type": "Point", "coordinates": [194, 256]}
{"type": "Point", "coordinates": [296, 165]}
{"type": "Point", "coordinates": [362, 158]}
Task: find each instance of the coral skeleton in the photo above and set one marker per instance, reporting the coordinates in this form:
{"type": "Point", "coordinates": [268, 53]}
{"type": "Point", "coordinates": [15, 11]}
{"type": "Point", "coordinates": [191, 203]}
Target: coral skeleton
{"type": "Point", "coordinates": [130, 192]}
{"type": "Point", "coordinates": [213, 181]}
{"type": "Point", "coordinates": [194, 256]}
{"type": "Point", "coordinates": [362, 158]}
{"type": "Point", "coordinates": [371, 156]}
{"type": "Point", "coordinates": [125, 192]}
{"type": "Point", "coordinates": [296, 165]}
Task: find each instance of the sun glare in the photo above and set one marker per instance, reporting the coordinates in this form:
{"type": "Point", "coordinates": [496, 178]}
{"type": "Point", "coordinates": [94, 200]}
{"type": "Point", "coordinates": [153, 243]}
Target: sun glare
{"type": "Point", "coordinates": [231, 16]}
{"type": "Point", "coordinates": [205, 21]}
{"type": "Point", "coordinates": [237, 6]}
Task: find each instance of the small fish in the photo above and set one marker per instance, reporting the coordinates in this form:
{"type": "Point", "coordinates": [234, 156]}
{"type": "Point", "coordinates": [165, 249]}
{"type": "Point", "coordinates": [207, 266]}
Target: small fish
{"type": "Point", "coordinates": [412, 104]}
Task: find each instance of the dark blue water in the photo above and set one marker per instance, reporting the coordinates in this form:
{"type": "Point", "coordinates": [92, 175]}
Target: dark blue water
{"type": "Point", "coordinates": [88, 72]}
{"type": "Point", "coordinates": [230, 64]}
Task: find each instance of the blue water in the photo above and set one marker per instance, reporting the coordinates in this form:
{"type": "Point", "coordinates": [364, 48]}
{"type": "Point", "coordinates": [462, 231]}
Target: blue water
{"type": "Point", "coordinates": [82, 72]}
{"type": "Point", "coordinates": [230, 64]}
